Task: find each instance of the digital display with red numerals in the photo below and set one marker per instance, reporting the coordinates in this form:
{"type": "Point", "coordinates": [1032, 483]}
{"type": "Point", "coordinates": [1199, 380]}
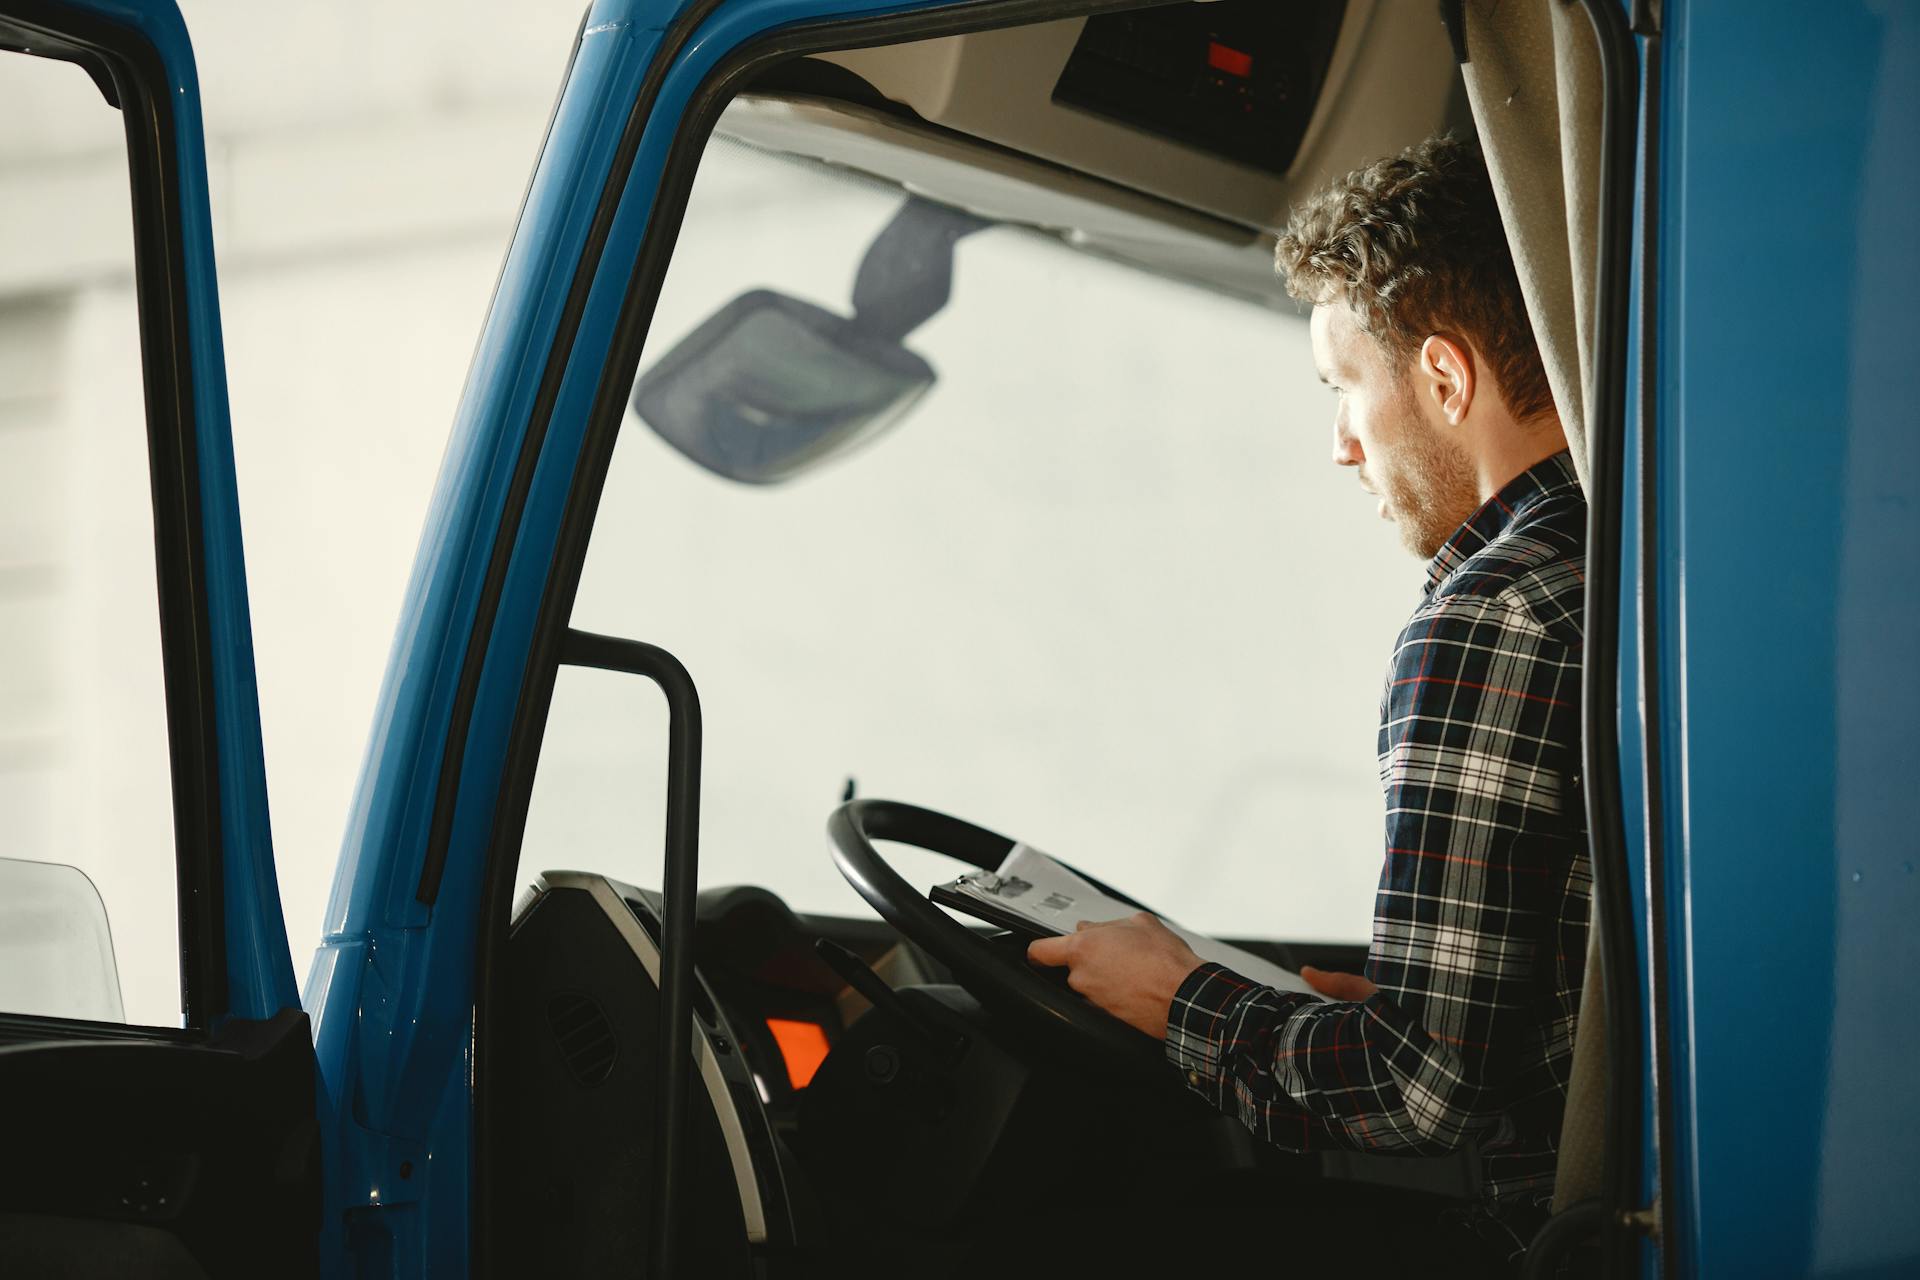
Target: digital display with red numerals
{"type": "Point", "coordinates": [1236, 79]}
{"type": "Point", "coordinates": [1231, 61]}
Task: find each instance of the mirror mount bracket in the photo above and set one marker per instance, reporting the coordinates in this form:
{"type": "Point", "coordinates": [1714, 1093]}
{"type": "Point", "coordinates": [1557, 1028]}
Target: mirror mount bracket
{"type": "Point", "coordinates": [907, 274]}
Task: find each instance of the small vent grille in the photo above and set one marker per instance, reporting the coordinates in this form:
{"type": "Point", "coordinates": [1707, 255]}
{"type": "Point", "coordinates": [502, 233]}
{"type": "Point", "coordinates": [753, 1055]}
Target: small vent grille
{"type": "Point", "coordinates": [585, 1037]}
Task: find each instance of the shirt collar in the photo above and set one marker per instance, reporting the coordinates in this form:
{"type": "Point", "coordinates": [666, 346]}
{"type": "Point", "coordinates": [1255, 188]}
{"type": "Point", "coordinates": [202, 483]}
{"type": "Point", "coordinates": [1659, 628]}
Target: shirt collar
{"type": "Point", "coordinates": [1538, 482]}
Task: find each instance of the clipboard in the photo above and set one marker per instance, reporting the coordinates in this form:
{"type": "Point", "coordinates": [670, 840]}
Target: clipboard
{"type": "Point", "coordinates": [950, 895]}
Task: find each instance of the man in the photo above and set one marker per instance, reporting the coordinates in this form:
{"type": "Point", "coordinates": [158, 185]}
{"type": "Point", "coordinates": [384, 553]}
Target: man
{"type": "Point", "coordinates": [1460, 1032]}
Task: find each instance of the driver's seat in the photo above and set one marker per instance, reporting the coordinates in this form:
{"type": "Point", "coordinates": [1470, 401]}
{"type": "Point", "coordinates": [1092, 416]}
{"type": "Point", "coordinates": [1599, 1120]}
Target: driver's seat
{"type": "Point", "coordinates": [578, 1067]}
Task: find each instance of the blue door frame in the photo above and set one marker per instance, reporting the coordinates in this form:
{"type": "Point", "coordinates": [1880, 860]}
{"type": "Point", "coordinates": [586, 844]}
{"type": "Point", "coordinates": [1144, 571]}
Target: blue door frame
{"type": "Point", "coordinates": [258, 973]}
{"type": "Point", "coordinates": [1786, 457]}
{"type": "Point", "coordinates": [391, 988]}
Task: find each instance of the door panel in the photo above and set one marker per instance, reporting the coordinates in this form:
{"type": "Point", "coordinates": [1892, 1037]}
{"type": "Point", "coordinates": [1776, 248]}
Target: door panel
{"type": "Point", "coordinates": [171, 1152]}
{"type": "Point", "coordinates": [1791, 867]}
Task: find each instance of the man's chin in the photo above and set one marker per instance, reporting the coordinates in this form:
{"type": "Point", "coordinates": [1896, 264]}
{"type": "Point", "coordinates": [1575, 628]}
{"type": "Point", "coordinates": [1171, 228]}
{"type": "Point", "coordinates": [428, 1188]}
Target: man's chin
{"type": "Point", "coordinates": [1420, 541]}
{"type": "Point", "coordinates": [1410, 536]}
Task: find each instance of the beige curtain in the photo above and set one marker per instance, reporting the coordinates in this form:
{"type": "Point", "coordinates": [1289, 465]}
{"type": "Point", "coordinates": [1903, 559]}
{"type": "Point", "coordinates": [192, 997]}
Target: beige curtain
{"type": "Point", "coordinates": [1533, 78]}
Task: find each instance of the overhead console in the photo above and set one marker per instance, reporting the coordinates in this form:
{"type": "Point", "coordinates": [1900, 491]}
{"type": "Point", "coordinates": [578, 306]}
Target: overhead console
{"type": "Point", "coordinates": [1236, 81]}
{"type": "Point", "coordinates": [1176, 137]}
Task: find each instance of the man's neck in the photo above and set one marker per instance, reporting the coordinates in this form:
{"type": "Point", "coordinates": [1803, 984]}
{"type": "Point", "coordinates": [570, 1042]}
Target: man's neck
{"type": "Point", "coordinates": [1516, 450]}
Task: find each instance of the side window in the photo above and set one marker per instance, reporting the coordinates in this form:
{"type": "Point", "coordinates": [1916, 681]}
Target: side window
{"type": "Point", "coordinates": [89, 923]}
{"type": "Point", "coordinates": [1067, 560]}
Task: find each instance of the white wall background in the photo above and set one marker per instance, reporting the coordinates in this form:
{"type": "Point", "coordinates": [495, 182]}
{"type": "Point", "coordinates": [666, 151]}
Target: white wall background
{"type": "Point", "coordinates": [367, 161]}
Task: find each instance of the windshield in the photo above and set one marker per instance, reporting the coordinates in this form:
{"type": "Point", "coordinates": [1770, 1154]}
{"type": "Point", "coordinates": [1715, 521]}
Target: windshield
{"type": "Point", "coordinates": [1097, 588]}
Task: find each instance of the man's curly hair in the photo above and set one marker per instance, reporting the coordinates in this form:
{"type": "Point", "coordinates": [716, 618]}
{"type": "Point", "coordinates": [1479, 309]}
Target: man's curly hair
{"type": "Point", "coordinates": [1414, 244]}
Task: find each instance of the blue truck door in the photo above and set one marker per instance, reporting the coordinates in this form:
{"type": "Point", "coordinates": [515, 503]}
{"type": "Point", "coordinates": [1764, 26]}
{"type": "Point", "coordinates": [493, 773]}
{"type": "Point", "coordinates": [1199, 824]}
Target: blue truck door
{"type": "Point", "coordinates": [1782, 575]}
{"type": "Point", "coordinates": [135, 1147]}
{"type": "Point", "coordinates": [425, 870]}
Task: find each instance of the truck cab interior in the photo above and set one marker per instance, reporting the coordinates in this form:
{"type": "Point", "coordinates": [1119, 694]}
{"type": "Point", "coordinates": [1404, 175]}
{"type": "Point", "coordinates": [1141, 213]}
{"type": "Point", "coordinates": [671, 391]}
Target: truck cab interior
{"type": "Point", "coordinates": [942, 474]}
{"type": "Point", "coordinates": [887, 438]}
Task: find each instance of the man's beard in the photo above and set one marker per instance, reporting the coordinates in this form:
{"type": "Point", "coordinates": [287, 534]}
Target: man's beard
{"type": "Point", "coordinates": [1430, 487]}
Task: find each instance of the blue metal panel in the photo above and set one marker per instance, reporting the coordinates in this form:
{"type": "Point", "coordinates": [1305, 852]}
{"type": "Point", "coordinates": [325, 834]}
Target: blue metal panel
{"type": "Point", "coordinates": [391, 988]}
{"type": "Point", "coordinates": [259, 966]}
{"type": "Point", "coordinates": [391, 1025]}
{"type": "Point", "coordinates": [1790, 456]}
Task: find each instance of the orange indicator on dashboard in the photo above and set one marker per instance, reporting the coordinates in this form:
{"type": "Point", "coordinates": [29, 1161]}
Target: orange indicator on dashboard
{"type": "Point", "coordinates": [1223, 58]}
{"type": "Point", "coordinates": [803, 1045]}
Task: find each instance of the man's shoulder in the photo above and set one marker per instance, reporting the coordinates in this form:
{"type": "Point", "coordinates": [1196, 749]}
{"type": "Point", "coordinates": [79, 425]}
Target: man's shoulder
{"type": "Point", "coordinates": [1532, 574]}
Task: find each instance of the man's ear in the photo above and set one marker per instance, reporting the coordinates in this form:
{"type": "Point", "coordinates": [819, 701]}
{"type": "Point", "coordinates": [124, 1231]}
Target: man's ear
{"type": "Point", "coordinates": [1446, 377]}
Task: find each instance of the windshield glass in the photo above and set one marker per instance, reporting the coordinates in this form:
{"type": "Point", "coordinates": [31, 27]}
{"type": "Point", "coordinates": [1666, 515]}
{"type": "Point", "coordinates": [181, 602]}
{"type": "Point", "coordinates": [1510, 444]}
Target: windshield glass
{"type": "Point", "coordinates": [1097, 588]}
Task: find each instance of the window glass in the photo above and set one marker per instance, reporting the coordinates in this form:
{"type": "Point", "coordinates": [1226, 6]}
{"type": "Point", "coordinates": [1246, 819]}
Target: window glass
{"type": "Point", "coordinates": [1098, 588]}
{"type": "Point", "coordinates": [84, 779]}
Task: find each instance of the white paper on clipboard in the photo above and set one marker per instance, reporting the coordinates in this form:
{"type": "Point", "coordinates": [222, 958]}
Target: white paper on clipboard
{"type": "Point", "coordinates": [1053, 897]}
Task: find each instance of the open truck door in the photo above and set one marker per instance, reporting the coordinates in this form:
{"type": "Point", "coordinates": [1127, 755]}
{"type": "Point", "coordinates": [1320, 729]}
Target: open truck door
{"type": "Point", "coordinates": [157, 1077]}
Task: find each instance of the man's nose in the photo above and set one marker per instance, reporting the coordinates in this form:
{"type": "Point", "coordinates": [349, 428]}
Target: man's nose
{"type": "Point", "coordinates": [1346, 449]}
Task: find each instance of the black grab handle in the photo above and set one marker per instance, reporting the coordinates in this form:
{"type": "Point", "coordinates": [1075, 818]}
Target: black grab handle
{"type": "Point", "coordinates": [678, 886]}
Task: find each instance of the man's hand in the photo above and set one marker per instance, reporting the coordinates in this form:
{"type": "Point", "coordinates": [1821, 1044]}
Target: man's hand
{"type": "Point", "coordinates": [1337, 986]}
{"type": "Point", "coordinates": [1131, 967]}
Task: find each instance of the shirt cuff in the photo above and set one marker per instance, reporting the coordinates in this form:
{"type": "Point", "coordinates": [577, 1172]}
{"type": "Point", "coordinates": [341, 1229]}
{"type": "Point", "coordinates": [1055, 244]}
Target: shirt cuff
{"type": "Point", "coordinates": [1197, 1023]}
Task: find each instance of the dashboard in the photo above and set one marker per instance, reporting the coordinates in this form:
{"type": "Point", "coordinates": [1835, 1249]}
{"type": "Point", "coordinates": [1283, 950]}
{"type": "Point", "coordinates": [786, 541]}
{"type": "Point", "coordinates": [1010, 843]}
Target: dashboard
{"type": "Point", "coordinates": [826, 1129]}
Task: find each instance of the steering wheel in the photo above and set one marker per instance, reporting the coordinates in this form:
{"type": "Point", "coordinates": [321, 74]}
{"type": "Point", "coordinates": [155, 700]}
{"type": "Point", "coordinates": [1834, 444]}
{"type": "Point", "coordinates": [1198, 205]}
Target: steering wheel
{"type": "Point", "coordinates": [996, 977]}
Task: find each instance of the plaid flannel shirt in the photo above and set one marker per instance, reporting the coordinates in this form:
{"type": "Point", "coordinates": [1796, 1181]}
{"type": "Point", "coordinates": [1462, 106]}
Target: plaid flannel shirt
{"type": "Point", "coordinates": [1479, 933]}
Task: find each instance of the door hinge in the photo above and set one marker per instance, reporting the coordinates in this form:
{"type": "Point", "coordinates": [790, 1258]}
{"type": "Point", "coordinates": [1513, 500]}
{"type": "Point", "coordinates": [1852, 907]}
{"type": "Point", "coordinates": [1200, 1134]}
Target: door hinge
{"type": "Point", "coordinates": [1645, 1221]}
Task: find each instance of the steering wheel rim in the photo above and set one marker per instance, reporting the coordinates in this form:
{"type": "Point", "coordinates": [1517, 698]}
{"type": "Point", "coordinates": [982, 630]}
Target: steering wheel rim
{"type": "Point", "coordinates": [995, 978]}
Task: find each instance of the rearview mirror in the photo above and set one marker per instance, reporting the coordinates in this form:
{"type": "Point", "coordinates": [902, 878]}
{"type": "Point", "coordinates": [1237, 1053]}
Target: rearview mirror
{"type": "Point", "coordinates": [769, 385]}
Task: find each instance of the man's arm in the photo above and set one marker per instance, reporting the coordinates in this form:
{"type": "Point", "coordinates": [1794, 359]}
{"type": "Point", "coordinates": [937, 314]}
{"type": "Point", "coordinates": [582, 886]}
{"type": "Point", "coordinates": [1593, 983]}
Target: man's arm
{"type": "Point", "coordinates": [1132, 968]}
{"type": "Point", "coordinates": [1481, 711]}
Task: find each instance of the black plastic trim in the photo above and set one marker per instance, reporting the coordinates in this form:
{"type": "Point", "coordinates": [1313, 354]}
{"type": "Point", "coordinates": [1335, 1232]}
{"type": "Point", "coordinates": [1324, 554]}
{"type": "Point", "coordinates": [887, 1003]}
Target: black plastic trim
{"type": "Point", "coordinates": [603, 426]}
{"type": "Point", "coordinates": [1652, 695]}
{"type": "Point", "coordinates": [1606, 418]}
{"type": "Point", "coordinates": [680, 882]}
{"type": "Point", "coordinates": [140, 82]}
{"type": "Point", "coordinates": [223, 1125]}
{"type": "Point", "coordinates": [32, 1028]}
{"type": "Point", "coordinates": [1453, 16]}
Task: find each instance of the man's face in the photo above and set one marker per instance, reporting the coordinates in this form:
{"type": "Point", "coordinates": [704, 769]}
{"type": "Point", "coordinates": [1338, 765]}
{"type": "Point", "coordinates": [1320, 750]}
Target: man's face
{"type": "Point", "coordinates": [1423, 479]}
